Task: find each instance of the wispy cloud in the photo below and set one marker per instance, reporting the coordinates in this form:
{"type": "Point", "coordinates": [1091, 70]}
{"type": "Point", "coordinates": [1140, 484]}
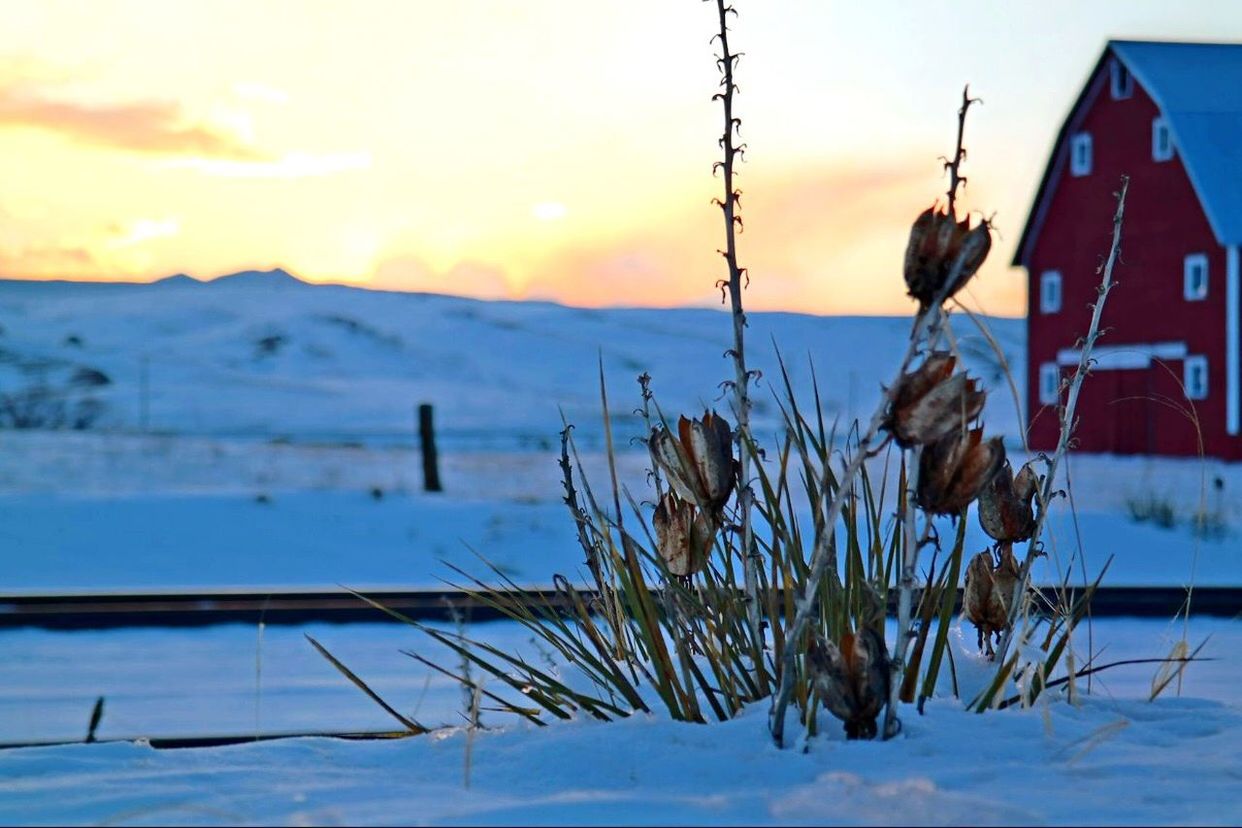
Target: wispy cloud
{"type": "Point", "coordinates": [144, 230]}
{"type": "Point", "coordinates": [150, 127]}
{"type": "Point", "coordinates": [48, 261]}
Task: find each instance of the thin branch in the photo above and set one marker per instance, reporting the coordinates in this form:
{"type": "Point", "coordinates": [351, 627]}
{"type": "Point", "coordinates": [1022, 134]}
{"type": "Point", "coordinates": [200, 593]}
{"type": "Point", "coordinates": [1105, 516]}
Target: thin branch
{"type": "Point", "coordinates": [959, 154]}
{"type": "Point", "coordinates": [1067, 421]}
{"type": "Point", "coordinates": [729, 206]}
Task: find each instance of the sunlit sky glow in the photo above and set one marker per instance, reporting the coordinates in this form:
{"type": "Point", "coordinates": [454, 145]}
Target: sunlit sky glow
{"type": "Point", "coordinates": [543, 149]}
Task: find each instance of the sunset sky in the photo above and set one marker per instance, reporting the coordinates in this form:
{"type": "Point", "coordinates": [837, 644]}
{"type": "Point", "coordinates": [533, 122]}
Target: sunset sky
{"type": "Point", "coordinates": [538, 149]}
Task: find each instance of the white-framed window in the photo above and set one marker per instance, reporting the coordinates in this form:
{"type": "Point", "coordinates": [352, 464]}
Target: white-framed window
{"type": "Point", "coordinates": [1050, 291]}
{"type": "Point", "coordinates": [1195, 277]}
{"type": "Point", "coordinates": [1080, 154]}
{"type": "Point", "coordinates": [1049, 383]}
{"type": "Point", "coordinates": [1195, 377]}
{"type": "Point", "coordinates": [1122, 81]}
{"type": "Point", "coordinates": [1161, 139]}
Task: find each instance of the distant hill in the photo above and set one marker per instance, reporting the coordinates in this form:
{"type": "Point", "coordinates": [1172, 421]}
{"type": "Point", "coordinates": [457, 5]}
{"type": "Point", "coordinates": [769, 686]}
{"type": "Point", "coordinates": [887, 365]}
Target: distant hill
{"type": "Point", "coordinates": [340, 362]}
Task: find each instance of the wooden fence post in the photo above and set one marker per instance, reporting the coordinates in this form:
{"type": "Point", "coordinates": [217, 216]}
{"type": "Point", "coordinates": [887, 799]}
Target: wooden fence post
{"type": "Point", "coordinates": [427, 445]}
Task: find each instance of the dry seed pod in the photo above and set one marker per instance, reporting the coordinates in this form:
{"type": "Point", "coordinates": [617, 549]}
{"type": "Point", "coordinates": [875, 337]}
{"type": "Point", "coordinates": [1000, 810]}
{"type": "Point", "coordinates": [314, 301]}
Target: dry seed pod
{"type": "Point", "coordinates": [974, 250]}
{"type": "Point", "coordinates": [683, 536]}
{"type": "Point", "coordinates": [1005, 576]}
{"type": "Point", "coordinates": [699, 461]}
{"type": "Point", "coordinates": [711, 446]}
{"type": "Point", "coordinates": [1026, 482]}
{"type": "Point", "coordinates": [932, 402]}
{"type": "Point", "coordinates": [982, 601]}
{"type": "Point", "coordinates": [942, 250]}
{"type": "Point", "coordinates": [1004, 513]}
{"type": "Point", "coordinates": [954, 470]}
{"type": "Point", "coordinates": [853, 679]}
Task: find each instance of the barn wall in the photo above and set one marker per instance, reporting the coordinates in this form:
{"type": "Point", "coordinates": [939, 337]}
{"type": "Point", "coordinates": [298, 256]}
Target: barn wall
{"type": "Point", "coordinates": [1163, 223]}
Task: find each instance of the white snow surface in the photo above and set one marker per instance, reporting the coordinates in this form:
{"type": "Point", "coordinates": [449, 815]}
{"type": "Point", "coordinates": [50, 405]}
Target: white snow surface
{"type": "Point", "coordinates": [1112, 758]}
{"type": "Point", "coordinates": [261, 461]}
{"type": "Point", "coordinates": [262, 353]}
{"type": "Point", "coordinates": [276, 412]}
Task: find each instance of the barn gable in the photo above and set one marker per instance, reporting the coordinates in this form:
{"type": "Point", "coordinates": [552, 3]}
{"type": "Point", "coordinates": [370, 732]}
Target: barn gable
{"type": "Point", "coordinates": [1198, 88]}
{"type": "Point", "coordinates": [1169, 378]}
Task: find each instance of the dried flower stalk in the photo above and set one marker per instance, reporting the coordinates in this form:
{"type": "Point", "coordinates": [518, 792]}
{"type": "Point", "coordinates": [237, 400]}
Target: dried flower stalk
{"type": "Point", "coordinates": [1067, 421]}
{"type": "Point", "coordinates": [729, 206]}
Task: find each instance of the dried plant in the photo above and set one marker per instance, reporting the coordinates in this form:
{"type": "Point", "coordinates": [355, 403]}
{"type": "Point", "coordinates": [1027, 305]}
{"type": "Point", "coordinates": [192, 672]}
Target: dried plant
{"type": "Point", "coordinates": [714, 593]}
{"type": "Point", "coordinates": [730, 204]}
{"type": "Point", "coordinates": [1019, 603]}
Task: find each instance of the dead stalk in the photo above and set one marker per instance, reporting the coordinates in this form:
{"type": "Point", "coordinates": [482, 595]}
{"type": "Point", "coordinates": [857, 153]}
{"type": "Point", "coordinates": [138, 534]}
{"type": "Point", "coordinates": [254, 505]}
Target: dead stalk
{"type": "Point", "coordinates": [910, 560]}
{"type": "Point", "coordinates": [927, 327]}
{"type": "Point", "coordinates": [729, 206]}
{"type": "Point", "coordinates": [1018, 604]}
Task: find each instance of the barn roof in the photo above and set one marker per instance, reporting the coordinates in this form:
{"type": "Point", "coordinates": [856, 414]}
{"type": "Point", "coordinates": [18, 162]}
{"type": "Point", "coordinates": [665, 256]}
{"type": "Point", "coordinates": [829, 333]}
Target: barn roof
{"type": "Point", "coordinates": [1198, 88]}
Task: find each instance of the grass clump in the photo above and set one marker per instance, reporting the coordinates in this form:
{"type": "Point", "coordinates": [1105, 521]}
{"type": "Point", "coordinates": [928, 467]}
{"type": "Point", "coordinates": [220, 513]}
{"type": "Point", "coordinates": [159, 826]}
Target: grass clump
{"type": "Point", "coordinates": [749, 573]}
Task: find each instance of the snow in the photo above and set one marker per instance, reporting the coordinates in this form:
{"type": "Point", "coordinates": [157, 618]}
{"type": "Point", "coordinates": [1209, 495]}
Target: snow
{"type": "Point", "coordinates": [204, 681]}
{"type": "Point", "coordinates": [280, 453]}
{"type": "Point", "coordinates": [67, 543]}
{"type": "Point", "coordinates": [345, 364]}
{"type": "Point", "coordinates": [263, 466]}
{"type": "Point", "coordinates": [1112, 758]}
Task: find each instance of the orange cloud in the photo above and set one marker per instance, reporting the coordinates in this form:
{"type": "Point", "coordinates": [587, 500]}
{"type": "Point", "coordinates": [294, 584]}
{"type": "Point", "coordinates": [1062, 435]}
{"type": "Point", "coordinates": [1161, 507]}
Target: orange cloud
{"type": "Point", "coordinates": [154, 127]}
{"type": "Point", "coordinates": [828, 239]}
{"type": "Point", "coordinates": [49, 261]}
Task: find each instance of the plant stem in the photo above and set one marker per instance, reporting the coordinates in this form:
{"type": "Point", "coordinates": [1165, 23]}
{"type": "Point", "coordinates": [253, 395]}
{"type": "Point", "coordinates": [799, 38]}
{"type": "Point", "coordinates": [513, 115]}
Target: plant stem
{"type": "Point", "coordinates": [927, 324]}
{"type": "Point", "coordinates": [959, 153]}
{"type": "Point", "coordinates": [741, 381]}
{"type": "Point", "coordinates": [1018, 600]}
{"type": "Point", "coordinates": [909, 560]}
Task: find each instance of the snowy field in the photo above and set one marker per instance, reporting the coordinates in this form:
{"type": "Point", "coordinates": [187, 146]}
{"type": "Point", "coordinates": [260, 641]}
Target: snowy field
{"type": "Point", "coordinates": [82, 512]}
{"type": "Point", "coordinates": [258, 432]}
{"type": "Point", "coordinates": [1113, 758]}
{"type": "Point", "coordinates": [279, 446]}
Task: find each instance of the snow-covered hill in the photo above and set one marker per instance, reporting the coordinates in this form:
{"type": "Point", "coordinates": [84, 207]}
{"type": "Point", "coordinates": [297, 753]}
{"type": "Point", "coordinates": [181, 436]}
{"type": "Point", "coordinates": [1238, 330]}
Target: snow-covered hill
{"type": "Point", "coordinates": [264, 353]}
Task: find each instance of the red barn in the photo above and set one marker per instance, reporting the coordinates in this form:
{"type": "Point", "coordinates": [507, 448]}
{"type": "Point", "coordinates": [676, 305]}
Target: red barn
{"type": "Point", "coordinates": [1169, 115]}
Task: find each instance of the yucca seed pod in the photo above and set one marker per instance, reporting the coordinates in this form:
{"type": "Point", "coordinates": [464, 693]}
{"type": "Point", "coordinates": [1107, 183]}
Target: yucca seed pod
{"type": "Point", "coordinates": [711, 447]}
{"type": "Point", "coordinates": [1026, 482]}
{"type": "Point", "coordinates": [683, 536]}
{"type": "Point", "coordinates": [955, 469]}
{"type": "Point", "coordinates": [698, 462]}
{"type": "Point", "coordinates": [941, 248]}
{"type": "Point", "coordinates": [852, 679]}
{"type": "Point", "coordinates": [1005, 576]}
{"type": "Point", "coordinates": [667, 455]}
{"type": "Point", "coordinates": [974, 249]}
{"type": "Point", "coordinates": [982, 601]}
{"type": "Point", "coordinates": [932, 402]}
{"type": "Point", "coordinates": [1004, 514]}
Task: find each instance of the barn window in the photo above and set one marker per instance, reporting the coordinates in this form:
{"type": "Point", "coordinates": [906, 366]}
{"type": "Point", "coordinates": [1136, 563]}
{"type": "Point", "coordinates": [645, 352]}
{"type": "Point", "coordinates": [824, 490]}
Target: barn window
{"type": "Point", "coordinates": [1049, 383]}
{"type": "Point", "coordinates": [1123, 82]}
{"type": "Point", "coordinates": [1161, 140]}
{"type": "Point", "coordinates": [1195, 277]}
{"type": "Point", "coordinates": [1080, 154]}
{"type": "Point", "coordinates": [1050, 291]}
{"type": "Point", "coordinates": [1195, 377]}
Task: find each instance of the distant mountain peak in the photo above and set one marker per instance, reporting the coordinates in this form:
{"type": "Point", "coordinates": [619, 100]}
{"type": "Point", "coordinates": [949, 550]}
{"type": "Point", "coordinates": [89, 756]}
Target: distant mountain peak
{"type": "Point", "coordinates": [275, 276]}
{"type": "Point", "coordinates": [179, 279]}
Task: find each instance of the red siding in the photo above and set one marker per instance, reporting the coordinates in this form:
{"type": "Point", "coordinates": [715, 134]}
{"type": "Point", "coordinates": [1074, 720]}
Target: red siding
{"type": "Point", "coordinates": [1128, 411]}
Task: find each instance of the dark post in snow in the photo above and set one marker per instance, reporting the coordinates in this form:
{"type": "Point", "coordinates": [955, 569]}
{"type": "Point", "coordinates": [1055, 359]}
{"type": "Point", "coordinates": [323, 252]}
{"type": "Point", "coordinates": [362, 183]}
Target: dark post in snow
{"type": "Point", "coordinates": [427, 445]}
